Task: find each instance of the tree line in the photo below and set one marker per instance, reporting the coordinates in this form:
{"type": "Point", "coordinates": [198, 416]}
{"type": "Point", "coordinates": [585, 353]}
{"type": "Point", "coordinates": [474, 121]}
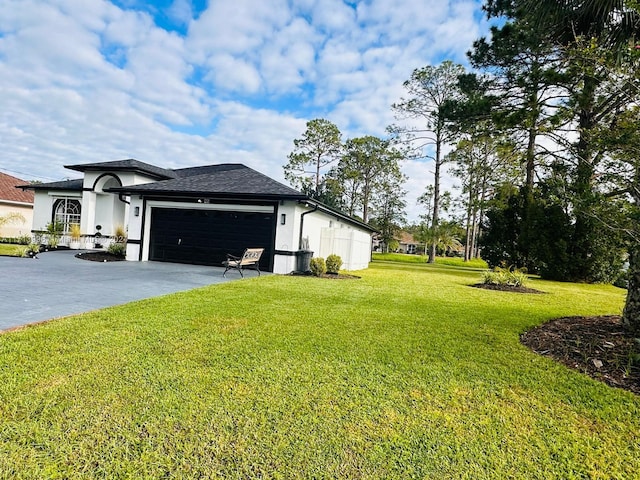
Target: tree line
{"type": "Point", "coordinates": [360, 176]}
{"type": "Point", "coordinates": [541, 135]}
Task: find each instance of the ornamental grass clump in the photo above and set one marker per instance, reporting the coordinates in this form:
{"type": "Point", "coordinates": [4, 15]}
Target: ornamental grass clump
{"type": "Point", "coordinates": [510, 277]}
{"type": "Point", "coordinates": [318, 266]}
{"type": "Point", "coordinates": [74, 232]}
{"type": "Point", "coordinates": [333, 262]}
{"type": "Point", "coordinates": [31, 250]}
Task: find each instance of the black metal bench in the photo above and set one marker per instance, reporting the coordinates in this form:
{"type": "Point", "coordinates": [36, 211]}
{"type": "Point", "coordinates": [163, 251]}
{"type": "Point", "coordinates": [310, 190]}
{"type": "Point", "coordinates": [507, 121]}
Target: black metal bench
{"type": "Point", "coordinates": [249, 259]}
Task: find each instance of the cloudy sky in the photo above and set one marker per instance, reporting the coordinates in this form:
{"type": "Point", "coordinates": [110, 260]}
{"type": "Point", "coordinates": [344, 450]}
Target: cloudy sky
{"type": "Point", "coordinates": [181, 83]}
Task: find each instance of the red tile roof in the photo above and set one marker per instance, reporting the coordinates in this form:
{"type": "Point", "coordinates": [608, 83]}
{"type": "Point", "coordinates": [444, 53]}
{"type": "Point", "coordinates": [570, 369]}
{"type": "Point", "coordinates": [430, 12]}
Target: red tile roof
{"type": "Point", "coordinates": [8, 190]}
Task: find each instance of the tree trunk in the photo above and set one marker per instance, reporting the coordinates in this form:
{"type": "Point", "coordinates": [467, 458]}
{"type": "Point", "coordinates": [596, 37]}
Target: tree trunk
{"type": "Point", "coordinates": [467, 245]}
{"type": "Point", "coordinates": [436, 197]}
{"type": "Point", "coordinates": [583, 184]}
{"type": "Point", "coordinates": [482, 196]}
{"type": "Point", "coordinates": [631, 313]}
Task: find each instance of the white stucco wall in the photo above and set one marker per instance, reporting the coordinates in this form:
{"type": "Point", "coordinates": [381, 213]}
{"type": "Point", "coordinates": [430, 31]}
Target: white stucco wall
{"type": "Point", "coordinates": [106, 209]}
{"type": "Point", "coordinates": [43, 206]}
{"type": "Point", "coordinates": [329, 234]}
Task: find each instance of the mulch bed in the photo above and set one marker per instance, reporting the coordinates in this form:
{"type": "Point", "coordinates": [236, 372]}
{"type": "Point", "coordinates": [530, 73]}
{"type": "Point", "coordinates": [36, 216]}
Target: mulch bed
{"type": "Point", "coordinates": [99, 257]}
{"type": "Point", "coordinates": [506, 288]}
{"type": "Point", "coordinates": [597, 346]}
{"type": "Point", "coordinates": [330, 276]}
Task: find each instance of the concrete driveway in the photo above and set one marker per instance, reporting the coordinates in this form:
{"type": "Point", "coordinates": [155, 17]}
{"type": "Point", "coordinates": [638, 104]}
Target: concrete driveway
{"type": "Point", "coordinates": [57, 284]}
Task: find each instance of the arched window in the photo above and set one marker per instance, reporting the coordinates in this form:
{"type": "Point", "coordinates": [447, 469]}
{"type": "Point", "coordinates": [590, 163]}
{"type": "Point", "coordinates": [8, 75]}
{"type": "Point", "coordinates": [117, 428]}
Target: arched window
{"type": "Point", "coordinates": [66, 211]}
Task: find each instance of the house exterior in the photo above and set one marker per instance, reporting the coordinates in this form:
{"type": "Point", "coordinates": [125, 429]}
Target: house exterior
{"type": "Point", "coordinates": [407, 243]}
{"type": "Point", "coordinates": [199, 214]}
{"type": "Point", "coordinates": [15, 201]}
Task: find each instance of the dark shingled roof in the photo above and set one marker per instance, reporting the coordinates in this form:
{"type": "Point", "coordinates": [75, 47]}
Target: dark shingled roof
{"type": "Point", "coordinates": [9, 192]}
{"type": "Point", "coordinates": [231, 180]}
{"type": "Point", "coordinates": [75, 184]}
{"type": "Point", "coordinates": [126, 165]}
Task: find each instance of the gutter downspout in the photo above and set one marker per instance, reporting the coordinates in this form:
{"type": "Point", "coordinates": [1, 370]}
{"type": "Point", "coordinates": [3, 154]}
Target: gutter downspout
{"type": "Point", "coordinates": [302, 224]}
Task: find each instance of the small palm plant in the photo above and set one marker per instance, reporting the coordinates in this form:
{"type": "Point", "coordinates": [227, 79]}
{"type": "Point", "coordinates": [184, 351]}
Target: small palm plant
{"type": "Point", "coordinates": [511, 277]}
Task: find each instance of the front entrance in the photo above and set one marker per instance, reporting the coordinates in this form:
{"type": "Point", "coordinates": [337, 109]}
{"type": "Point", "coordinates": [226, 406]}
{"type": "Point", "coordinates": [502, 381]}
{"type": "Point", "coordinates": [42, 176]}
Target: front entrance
{"type": "Point", "coordinates": [204, 237]}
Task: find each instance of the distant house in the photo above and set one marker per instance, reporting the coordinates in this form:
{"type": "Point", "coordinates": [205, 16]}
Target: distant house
{"type": "Point", "coordinates": [199, 214]}
{"type": "Point", "coordinates": [14, 200]}
{"type": "Point", "coordinates": [407, 243]}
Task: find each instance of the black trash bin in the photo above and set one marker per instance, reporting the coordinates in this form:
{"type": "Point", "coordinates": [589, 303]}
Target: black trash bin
{"type": "Point", "coordinates": [303, 261]}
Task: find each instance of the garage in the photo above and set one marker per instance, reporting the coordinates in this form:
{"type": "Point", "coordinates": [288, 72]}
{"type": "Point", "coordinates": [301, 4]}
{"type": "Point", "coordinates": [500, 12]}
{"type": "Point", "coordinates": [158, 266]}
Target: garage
{"type": "Point", "coordinates": [205, 236]}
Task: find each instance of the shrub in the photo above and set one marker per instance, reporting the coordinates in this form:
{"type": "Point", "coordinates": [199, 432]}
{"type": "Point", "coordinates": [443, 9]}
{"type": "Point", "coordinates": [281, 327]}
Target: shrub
{"type": "Point", "coordinates": [512, 277]}
{"type": "Point", "coordinates": [117, 249]}
{"type": "Point", "coordinates": [334, 262]}
{"type": "Point", "coordinates": [30, 250]}
{"type": "Point", "coordinates": [21, 240]}
{"type": "Point", "coordinates": [317, 266]}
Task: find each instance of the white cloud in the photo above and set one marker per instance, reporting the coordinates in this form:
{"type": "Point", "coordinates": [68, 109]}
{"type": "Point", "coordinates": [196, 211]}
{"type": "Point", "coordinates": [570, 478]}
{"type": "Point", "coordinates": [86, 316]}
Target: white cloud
{"type": "Point", "coordinates": [86, 80]}
{"type": "Point", "coordinates": [333, 16]}
{"type": "Point", "coordinates": [239, 27]}
{"type": "Point", "coordinates": [233, 74]}
{"type": "Point", "coordinates": [181, 11]}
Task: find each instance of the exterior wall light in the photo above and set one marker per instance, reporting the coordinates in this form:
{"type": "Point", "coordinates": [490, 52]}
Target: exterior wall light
{"type": "Point", "coordinates": [136, 211]}
{"type": "Point", "coordinates": [283, 219]}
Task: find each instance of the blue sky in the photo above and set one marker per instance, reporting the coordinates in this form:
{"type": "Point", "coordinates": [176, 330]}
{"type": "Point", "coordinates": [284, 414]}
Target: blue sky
{"type": "Point", "coordinates": [193, 82]}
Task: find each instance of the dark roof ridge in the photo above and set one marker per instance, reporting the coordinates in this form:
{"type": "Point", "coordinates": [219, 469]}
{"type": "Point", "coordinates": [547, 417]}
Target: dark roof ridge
{"type": "Point", "coordinates": [204, 169]}
{"type": "Point", "coordinates": [123, 165]}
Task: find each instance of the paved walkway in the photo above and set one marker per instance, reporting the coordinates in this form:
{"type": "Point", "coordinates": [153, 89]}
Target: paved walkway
{"type": "Point", "coordinates": [57, 284]}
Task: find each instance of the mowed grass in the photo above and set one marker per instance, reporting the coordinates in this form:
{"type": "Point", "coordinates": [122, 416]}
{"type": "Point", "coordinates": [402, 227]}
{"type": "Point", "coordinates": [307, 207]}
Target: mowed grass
{"type": "Point", "coordinates": [9, 249]}
{"type": "Point", "coordinates": [451, 261]}
{"type": "Point", "coordinates": [407, 372]}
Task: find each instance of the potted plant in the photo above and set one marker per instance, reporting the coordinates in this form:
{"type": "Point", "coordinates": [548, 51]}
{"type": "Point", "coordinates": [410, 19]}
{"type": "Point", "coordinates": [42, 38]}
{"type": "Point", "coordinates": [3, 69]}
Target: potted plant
{"type": "Point", "coordinates": [74, 233]}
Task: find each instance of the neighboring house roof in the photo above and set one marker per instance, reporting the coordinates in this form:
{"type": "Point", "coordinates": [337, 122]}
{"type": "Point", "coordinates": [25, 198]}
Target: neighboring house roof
{"type": "Point", "coordinates": [9, 191]}
{"type": "Point", "coordinates": [129, 165]}
{"type": "Point", "coordinates": [230, 180]}
{"type": "Point", "coordinates": [406, 238]}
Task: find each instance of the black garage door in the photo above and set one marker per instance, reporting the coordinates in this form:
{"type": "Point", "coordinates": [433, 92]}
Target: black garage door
{"type": "Point", "coordinates": [205, 237]}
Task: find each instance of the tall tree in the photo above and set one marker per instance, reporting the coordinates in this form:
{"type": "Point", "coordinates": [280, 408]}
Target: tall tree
{"type": "Point", "coordinates": [583, 37]}
{"type": "Point", "coordinates": [623, 175]}
{"type": "Point", "coordinates": [591, 35]}
{"type": "Point", "coordinates": [526, 71]}
{"type": "Point", "coordinates": [362, 170]}
{"type": "Point", "coordinates": [388, 205]}
{"type": "Point", "coordinates": [319, 147]}
{"type": "Point", "coordinates": [482, 163]}
{"type": "Point", "coordinates": [431, 91]}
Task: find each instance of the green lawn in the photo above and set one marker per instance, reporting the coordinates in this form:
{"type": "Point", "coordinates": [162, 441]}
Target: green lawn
{"type": "Point", "coordinates": [405, 373]}
{"type": "Point", "coordinates": [9, 249]}
{"type": "Point", "coordinates": [452, 261]}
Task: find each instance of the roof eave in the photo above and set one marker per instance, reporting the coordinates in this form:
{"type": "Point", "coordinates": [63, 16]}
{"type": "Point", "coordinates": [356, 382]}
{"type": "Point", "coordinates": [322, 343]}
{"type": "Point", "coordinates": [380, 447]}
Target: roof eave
{"type": "Point", "coordinates": [91, 168]}
{"type": "Point", "coordinates": [332, 211]}
{"type": "Point", "coordinates": [205, 194]}
{"type": "Point", "coordinates": [38, 187]}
